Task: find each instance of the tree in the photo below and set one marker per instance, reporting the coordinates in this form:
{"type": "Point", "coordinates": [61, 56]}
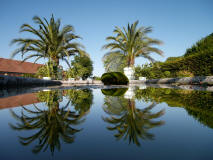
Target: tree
{"type": "Point", "coordinates": [49, 41]}
{"type": "Point", "coordinates": [81, 67]}
{"type": "Point", "coordinates": [114, 62]}
{"type": "Point", "coordinates": [132, 42]}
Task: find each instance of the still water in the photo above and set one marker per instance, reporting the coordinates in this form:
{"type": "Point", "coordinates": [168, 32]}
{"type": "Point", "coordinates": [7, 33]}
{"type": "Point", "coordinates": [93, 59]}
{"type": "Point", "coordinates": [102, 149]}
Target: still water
{"type": "Point", "coordinates": [117, 123]}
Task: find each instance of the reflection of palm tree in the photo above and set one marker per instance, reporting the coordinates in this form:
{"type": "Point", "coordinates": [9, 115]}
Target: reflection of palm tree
{"type": "Point", "coordinates": [52, 124]}
{"type": "Point", "coordinates": [129, 121]}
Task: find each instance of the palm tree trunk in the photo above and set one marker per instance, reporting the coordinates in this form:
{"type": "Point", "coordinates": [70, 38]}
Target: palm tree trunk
{"type": "Point", "coordinates": [55, 66]}
{"type": "Point", "coordinates": [132, 62]}
{"type": "Point", "coordinates": [131, 105]}
{"type": "Point", "coordinates": [56, 61]}
{"type": "Point", "coordinates": [128, 61]}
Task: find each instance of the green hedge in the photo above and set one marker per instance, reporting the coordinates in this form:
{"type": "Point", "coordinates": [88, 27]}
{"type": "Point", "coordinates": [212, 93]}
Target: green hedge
{"type": "Point", "coordinates": [197, 64]}
{"type": "Point", "coordinates": [115, 78]}
{"type": "Point", "coordinates": [197, 61]}
{"type": "Point", "coordinates": [203, 46]}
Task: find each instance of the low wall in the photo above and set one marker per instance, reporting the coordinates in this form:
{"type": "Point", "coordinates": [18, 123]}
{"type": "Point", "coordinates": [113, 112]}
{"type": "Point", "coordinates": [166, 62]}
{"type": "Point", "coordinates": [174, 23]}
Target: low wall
{"type": "Point", "coordinates": [98, 82]}
{"type": "Point", "coordinates": [12, 81]}
{"type": "Point", "coordinates": [199, 80]}
{"type": "Point", "coordinates": [208, 80]}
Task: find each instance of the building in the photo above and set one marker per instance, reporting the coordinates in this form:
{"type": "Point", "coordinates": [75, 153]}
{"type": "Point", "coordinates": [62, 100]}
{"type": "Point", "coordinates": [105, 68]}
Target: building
{"type": "Point", "coordinates": [17, 68]}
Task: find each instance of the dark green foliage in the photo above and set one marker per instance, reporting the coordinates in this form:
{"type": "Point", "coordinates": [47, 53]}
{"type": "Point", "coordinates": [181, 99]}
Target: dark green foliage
{"type": "Point", "coordinates": [82, 67]}
{"type": "Point", "coordinates": [153, 72]}
{"type": "Point", "coordinates": [172, 59]}
{"type": "Point", "coordinates": [114, 91]}
{"type": "Point", "coordinates": [198, 61]}
{"type": "Point", "coordinates": [115, 78]}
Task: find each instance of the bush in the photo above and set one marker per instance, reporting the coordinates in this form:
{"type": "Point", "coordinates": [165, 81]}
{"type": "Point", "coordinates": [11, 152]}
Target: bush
{"type": "Point", "coordinates": [44, 71]}
{"type": "Point", "coordinates": [115, 78]}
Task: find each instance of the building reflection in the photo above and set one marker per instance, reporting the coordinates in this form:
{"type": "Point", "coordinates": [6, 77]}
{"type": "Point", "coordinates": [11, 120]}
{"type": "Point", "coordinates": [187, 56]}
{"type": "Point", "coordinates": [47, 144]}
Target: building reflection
{"type": "Point", "coordinates": [19, 100]}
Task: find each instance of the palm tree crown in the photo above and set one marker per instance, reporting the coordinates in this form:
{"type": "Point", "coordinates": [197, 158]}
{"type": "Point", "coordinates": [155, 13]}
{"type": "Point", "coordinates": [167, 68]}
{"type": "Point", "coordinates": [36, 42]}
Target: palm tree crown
{"type": "Point", "coordinates": [50, 41]}
{"type": "Point", "coordinates": [132, 42]}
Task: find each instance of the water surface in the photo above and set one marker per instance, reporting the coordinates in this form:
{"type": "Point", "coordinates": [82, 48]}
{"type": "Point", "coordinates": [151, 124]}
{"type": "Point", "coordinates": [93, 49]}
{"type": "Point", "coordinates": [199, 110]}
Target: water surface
{"type": "Point", "coordinates": [119, 123]}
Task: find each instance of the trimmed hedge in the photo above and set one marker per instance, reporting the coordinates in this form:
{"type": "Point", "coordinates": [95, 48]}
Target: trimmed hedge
{"type": "Point", "coordinates": [197, 61]}
{"type": "Point", "coordinates": [116, 78]}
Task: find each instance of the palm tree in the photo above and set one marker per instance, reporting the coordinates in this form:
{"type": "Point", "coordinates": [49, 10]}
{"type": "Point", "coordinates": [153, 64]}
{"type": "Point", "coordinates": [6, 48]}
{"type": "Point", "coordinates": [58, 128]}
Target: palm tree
{"type": "Point", "coordinates": [131, 42]}
{"type": "Point", "coordinates": [49, 41]}
{"type": "Point", "coordinates": [51, 125]}
{"type": "Point", "coordinates": [114, 62]}
{"type": "Point", "coordinates": [130, 122]}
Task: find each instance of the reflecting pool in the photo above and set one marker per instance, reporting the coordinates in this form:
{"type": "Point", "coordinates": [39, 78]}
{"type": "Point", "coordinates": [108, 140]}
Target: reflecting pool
{"type": "Point", "coordinates": [107, 123]}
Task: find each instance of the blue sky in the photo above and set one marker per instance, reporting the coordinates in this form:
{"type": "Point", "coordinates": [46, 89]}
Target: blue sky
{"type": "Point", "coordinates": [178, 23]}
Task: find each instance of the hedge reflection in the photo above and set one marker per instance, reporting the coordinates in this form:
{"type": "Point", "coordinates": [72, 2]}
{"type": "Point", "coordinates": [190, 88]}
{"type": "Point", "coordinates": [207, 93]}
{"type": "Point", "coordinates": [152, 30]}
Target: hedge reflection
{"type": "Point", "coordinates": [198, 104]}
{"type": "Point", "coordinates": [54, 123]}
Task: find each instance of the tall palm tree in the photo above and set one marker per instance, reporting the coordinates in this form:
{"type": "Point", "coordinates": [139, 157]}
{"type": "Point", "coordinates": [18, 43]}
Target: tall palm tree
{"type": "Point", "coordinates": [130, 122]}
{"type": "Point", "coordinates": [131, 42]}
{"type": "Point", "coordinates": [49, 40]}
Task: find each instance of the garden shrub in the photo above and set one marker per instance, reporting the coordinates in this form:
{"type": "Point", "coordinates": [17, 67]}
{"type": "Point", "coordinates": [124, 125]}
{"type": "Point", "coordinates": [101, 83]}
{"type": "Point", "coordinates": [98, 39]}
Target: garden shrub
{"type": "Point", "coordinates": [44, 71]}
{"type": "Point", "coordinates": [114, 78]}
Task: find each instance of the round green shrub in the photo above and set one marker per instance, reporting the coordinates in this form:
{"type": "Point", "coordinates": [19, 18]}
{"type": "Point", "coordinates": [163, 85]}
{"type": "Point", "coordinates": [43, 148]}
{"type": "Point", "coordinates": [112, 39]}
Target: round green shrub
{"type": "Point", "coordinates": [116, 78]}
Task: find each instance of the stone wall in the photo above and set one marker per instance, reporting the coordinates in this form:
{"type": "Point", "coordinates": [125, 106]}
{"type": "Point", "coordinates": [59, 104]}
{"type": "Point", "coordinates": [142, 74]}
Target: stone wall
{"type": "Point", "coordinates": [199, 80]}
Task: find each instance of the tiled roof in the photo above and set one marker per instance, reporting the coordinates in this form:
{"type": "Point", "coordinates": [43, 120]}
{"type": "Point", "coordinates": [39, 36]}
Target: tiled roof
{"type": "Point", "coordinates": [19, 100]}
{"type": "Point", "coordinates": [8, 65]}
